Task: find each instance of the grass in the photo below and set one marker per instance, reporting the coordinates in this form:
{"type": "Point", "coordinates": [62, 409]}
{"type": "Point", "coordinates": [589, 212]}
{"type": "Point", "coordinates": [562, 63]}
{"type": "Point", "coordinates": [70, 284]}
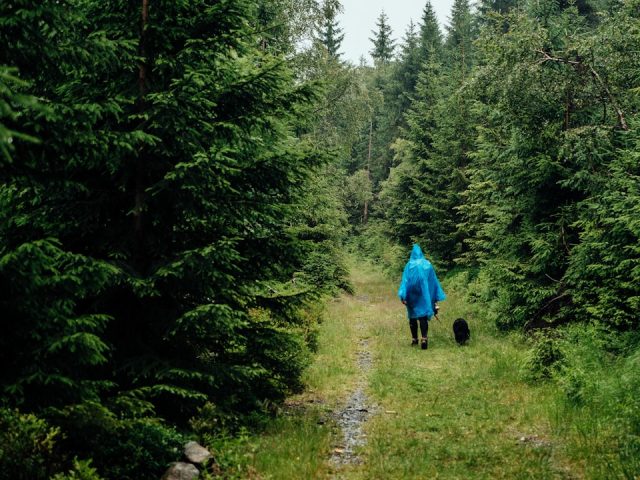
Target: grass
{"type": "Point", "coordinates": [462, 412]}
{"type": "Point", "coordinates": [292, 447]}
{"type": "Point", "coordinates": [449, 412]}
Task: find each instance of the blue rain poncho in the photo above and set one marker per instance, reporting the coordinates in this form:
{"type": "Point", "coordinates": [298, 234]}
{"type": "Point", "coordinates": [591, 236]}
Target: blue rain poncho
{"type": "Point", "coordinates": [420, 287]}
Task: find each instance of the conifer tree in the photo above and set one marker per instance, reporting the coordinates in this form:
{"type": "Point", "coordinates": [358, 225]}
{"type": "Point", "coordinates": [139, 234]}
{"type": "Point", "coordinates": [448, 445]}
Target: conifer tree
{"type": "Point", "coordinates": [430, 35]}
{"type": "Point", "coordinates": [383, 43]}
{"type": "Point", "coordinates": [330, 34]}
{"type": "Point", "coordinates": [539, 165]}
{"type": "Point", "coordinates": [459, 41]}
{"type": "Point", "coordinates": [441, 137]}
{"type": "Point", "coordinates": [148, 259]}
{"type": "Point", "coordinates": [405, 75]}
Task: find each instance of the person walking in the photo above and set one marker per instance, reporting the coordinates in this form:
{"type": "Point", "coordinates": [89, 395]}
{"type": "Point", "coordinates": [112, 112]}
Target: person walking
{"type": "Point", "coordinates": [419, 291]}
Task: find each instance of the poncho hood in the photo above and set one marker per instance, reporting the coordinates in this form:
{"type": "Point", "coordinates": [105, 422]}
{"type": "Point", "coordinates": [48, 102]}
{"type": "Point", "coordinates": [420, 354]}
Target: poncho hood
{"type": "Point", "coordinates": [416, 253]}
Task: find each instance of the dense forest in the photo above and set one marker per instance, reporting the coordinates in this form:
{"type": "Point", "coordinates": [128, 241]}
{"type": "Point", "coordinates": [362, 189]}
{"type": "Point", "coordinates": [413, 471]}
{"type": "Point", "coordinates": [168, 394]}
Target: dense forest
{"type": "Point", "coordinates": [181, 182]}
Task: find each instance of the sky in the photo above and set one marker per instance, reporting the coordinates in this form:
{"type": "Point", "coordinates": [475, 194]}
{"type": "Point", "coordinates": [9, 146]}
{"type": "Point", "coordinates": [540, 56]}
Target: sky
{"type": "Point", "coordinates": [359, 19]}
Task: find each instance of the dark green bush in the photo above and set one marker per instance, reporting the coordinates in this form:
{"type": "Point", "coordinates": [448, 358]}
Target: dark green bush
{"type": "Point", "coordinates": [128, 449]}
{"type": "Point", "coordinates": [544, 357]}
{"type": "Point", "coordinates": [82, 470]}
{"type": "Point", "coordinates": [27, 446]}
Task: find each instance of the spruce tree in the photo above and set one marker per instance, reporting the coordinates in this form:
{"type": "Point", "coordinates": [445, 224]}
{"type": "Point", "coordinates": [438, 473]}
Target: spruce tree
{"type": "Point", "coordinates": [404, 78]}
{"type": "Point", "coordinates": [430, 35]}
{"type": "Point", "coordinates": [441, 135]}
{"type": "Point", "coordinates": [148, 263]}
{"type": "Point", "coordinates": [539, 169]}
{"type": "Point", "coordinates": [330, 34]}
{"type": "Point", "coordinates": [383, 43]}
{"type": "Point", "coordinates": [459, 41]}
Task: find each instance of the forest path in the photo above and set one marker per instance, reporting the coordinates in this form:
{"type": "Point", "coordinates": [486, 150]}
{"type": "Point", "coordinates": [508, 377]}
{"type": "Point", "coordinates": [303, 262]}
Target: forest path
{"type": "Point", "coordinates": [377, 408]}
{"type": "Point", "coordinates": [446, 412]}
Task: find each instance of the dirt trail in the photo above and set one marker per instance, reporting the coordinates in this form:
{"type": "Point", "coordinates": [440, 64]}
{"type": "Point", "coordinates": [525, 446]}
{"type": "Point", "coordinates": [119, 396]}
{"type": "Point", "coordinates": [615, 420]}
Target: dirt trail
{"type": "Point", "coordinates": [358, 409]}
{"type": "Point", "coordinates": [466, 411]}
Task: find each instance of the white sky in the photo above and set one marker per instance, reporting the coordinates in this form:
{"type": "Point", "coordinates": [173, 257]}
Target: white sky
{"type": "Point", "coordinates": [359, 19]}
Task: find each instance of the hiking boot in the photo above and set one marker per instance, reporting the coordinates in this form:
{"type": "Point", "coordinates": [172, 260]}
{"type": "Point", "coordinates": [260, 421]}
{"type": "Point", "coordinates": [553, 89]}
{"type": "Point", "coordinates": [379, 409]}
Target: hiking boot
{"type": "Point", "coordinates": [414, 342]}
{"type": "Point", "coordinates": [423, 344]}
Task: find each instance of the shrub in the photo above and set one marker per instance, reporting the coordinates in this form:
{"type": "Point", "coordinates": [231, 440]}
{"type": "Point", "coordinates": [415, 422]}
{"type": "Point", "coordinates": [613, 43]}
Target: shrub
{"type": "Point", "coordinates": [139, 449]}
{"type": "Point", "coordinates": [122, 448]}
{"type": "Point", "coordinates": [27, 446]}
{"type": "Point", "coordinates": [82, 470]}
{"type": "Point", "coordinates": [544, 357]}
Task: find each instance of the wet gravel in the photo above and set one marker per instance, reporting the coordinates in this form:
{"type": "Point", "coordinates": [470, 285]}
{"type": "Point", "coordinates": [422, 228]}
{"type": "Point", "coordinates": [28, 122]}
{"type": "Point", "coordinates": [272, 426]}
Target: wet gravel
{"type": "Point", "coordinates": [351, 420]}
{"type": "Point", "coordinates": [352, 417]}
{"type": "Point", "coordinates": [364, 359]}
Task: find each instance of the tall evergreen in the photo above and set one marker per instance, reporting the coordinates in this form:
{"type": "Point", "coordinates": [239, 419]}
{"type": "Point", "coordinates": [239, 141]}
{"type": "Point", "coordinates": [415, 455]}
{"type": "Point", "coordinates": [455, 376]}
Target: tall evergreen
{"type": "Point", "coordinates": [430, 34]}
{"type": "Point", "coordinates": [408, 66]}
{"type": "Point", "coordinates": [538, 171]}
{"type": "Point", "coordinates": [441, 137]}
{"type": "Point", "coordinates": [383, 42]}
{"type": "Point", "coordinates": [148, 262]}
{"type": "Point", "coordinates": [459, 41]}
{"type": "Point", "coordinates": [330, 34]}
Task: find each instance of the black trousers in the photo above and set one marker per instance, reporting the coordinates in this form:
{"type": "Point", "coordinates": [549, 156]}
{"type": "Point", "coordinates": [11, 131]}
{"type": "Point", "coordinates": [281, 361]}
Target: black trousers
{"type": "Point", "coordinates": [424, 326]}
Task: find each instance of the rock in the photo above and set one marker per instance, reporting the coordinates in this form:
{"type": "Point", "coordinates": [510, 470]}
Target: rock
{"type": "Point", "coordinates": [196, 453]}
{"type": "Point", "coordinates": [534, 441]}
{"type": "Point", "coordinates": [181, 471]}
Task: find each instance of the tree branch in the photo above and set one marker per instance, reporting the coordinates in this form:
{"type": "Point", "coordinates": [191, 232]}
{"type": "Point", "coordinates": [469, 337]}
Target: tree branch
{"type": "Point", "coordinates": [576, 63]}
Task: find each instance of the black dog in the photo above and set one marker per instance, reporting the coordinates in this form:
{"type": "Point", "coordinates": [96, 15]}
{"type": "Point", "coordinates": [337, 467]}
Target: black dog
{"type": "Point", "coordinates": [461, 331]}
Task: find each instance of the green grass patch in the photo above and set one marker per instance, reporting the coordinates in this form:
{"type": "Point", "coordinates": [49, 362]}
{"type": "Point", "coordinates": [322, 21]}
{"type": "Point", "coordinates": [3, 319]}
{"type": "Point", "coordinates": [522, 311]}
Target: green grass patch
{"type": "Point", "coordinates": [449, 412]}
{"type": "Point", "coordinates": [293, 446]}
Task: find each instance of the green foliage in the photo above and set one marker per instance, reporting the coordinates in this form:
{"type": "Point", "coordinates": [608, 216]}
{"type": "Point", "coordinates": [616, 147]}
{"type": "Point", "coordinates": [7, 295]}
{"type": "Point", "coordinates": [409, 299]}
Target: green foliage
{"type": "Point", "coordinates": [11, 104]}
{"type": "Point", "coordinates": [459, 42]}
{"type": "Point", "coordinates": [357, 193]}
{"type": "Point", "coordinates": [544, 357]}
{"type": "Point", "coordinates": [383, 43]}
{"type": "Point", "coordinates": [430, 35]}
{"type": "Point", "coordinates": [162, 235]}
{"type": "Point", "coordinates": [596, 372]}
{"type": "Point", "coordinates": [517, 154]}
{"type": "Point", "coordinates": [330, 34]}
{"type": "Point", "coordinates": [82, 470]}
{"type": "Point", "coordinates": [131, 449]}
{"type": "Point", "coordinates": [27, 446]}
{"type": "Point", "coordinates": [531, 182]}
{"type": "Point", "coordinates": [374, 243]}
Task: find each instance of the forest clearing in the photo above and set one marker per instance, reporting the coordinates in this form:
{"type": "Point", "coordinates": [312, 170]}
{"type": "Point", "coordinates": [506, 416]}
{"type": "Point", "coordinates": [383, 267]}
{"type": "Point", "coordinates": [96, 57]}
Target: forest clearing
{"type": "Point", "coordinates": [206, 207]}
{"type": "Point", "coordinates": [448, 412]}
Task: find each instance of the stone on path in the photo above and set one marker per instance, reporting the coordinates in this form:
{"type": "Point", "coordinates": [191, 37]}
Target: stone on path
{"type": "Point", "coordinates": [196, 453]}
{"type": "Point", "coordinates": [181, 471]}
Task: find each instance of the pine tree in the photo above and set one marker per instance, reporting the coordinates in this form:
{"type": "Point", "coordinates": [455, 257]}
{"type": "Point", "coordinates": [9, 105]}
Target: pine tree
{"type": "Point", "coordinates": [148, 259]}
{"type": "Point", "coordinates": [383, 43]}
{"type": "Point", "coordinates": [430, 35]}
{"type": "Point", "coordinates": [459, 41]}
{"type": "Point", "coordinates": [405, 76]}
{"type": "Point", "coordinates": [330, 34]}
